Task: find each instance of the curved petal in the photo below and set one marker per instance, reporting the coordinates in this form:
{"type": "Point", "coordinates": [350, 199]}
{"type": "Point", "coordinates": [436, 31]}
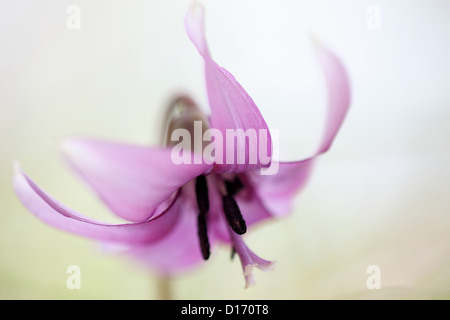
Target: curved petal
{"type": "Point", "coordinates": [57, 215]}
{"type": "Point", "coordinates": [232, 110]}
{"type": "Point", "coordinates": [278, 190]}
{"type": "Point", "coordinates": [252, 208]}
{"type": "Point", "coordinates": [179, 250]}
{"type": "Point", "coordinates": [339, 93]}
{"type": "Point", "coordinates": [217, 223]}
{"type": "Point", "coordinates": [132, 180]}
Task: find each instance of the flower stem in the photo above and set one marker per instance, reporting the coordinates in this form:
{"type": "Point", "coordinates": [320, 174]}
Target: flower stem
{"type": "Point", "coordinates": [164, 289]}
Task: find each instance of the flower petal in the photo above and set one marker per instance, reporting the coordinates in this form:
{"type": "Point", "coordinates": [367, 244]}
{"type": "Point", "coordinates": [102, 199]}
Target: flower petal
{"type": "Point", "coordinates": [57, 215]}
{"type": "Point", "coordinates": [252, 209]}
{"type": "Point", "coordinates": [232, 109]}
{"type": "Point", "coordinates": [179, 250]}
{"type": "Point", "coordinates": [338, 87]}
{"type": "Point", "coordinates": [251, 206]}
{"type": "Point", "coordinates": [132, 180]}
{"type": "Point", "coordinates": [277, 191]}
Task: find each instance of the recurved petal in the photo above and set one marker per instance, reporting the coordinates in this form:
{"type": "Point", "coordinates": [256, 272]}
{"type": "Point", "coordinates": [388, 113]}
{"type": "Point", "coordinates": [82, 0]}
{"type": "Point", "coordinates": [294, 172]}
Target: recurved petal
{"type": "Point", "coordinates": [179, 250]}
{"type": "Point", "coordinates": [41, 204]}
{"type": "Point", "coordinates": [252, 209]}
{"type": "Point", "coordinates": [339, 94]}
{"type": "Point", "coordinates": [134, 181]}
{"type": "Point", "coordinates": [278, 190]}
{"type": "Point", "coordinates": [231, 109]}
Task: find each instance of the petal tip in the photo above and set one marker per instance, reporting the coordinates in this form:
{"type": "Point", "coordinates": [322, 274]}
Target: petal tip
{"type": "Point", "coordinates": [196, 7]}
{"type": "Point", "coordinates": [195, 27]}
{"type": "Point", "coordinates": [16, 167]}
{"type": "Point", "coordinates": [69, 145]}
{"type": "Point", "coordinates": [79, 151]}
{"type": "Point", "coordinates": [319, 45]}
{"type": "Point", "coordinates": [315, 40]}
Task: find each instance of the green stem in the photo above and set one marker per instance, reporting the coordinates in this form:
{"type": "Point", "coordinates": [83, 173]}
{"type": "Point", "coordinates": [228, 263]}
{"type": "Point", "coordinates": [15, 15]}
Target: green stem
{"type": "Point", "coordinates": [164, 288]}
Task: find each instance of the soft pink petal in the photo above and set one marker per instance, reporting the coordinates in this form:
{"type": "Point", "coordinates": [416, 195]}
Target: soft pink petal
{"type": "Point", "coordinates": [195, 27]}
{"type": "Point", "coordinates": [278, 191]}
{"type": "Point", "coordinates": [231, 108]}
{"type": "Point", "coordinates": [252, 207]}
{"type": "Point", "coordinates": [217, 223]}
{"type": "Point", "coordinates": [338, 86]}
{"type": "Point", "coordinates": [179, 250]}
{"type": "Point", "coordinates": [134, 181]}
{"type": "Point", "coordinates": [57, 215]}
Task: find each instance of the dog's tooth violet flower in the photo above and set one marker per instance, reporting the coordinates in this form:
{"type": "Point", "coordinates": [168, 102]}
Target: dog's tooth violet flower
{"type": "Point", "coordinates": [179, 211]}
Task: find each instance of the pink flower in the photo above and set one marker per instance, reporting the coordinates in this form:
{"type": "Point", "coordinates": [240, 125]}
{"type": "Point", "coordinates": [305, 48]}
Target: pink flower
{"type": "Point", "coordinates": [179, 212]}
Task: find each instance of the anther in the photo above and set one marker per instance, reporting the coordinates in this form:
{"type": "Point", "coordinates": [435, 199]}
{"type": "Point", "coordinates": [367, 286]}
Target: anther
{"type": "Point", "coordinates": [201, 191]}
{"type": "Point", "coordinates": [203, 235]}
{"type": "Point", "coordinates": [233, 214]}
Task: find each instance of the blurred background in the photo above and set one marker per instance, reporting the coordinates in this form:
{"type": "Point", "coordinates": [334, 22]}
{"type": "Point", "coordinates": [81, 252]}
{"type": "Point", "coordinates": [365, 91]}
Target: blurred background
{"type": "Point", "coordinates": [380, 196]}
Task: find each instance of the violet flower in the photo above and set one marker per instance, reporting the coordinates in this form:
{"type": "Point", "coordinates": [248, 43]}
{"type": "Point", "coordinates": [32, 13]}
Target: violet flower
{"type": "Point", "coordinates": [178, 213]}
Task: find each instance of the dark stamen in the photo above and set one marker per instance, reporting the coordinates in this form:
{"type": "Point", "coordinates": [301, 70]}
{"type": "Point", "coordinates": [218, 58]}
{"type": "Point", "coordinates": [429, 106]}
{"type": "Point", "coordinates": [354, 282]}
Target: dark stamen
{"type": "Point", "coordinates": [233, 214]}
{"type": "Point", "coordinates": [203, 235]}
{"type": "Point", "coordinates": [201, 191]}
{"type": "Point", "coordinates": [233, 187]}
